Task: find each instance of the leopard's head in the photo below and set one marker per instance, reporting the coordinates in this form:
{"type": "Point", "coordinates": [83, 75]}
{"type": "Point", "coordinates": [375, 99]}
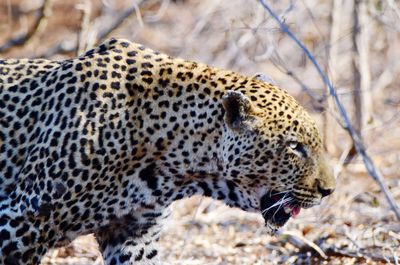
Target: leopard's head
{"type": "Point", "coordinates": [272, 152]}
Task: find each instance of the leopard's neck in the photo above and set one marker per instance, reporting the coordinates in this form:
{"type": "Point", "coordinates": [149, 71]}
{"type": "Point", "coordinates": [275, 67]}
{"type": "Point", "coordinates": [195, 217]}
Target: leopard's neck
{"type": "Point", "coordinates": [184, 121]}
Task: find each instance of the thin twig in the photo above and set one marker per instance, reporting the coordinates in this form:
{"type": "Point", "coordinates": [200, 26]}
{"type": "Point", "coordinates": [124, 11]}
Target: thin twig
{"type": "Point", "coordinates": [337, 252]}
{"type": "Point", "coordinates": [133, 10]}
{"type": "Point", "coordinates": [66, 46]}
{"type": "Point", "coordinates": [39, 25]}
{"type": "Point", "coordinates": [369, 164]}
{"type": "Point", "coordinates": [9, 15]}
{"type": "Point", "coordinates": [394, 6]}
{"type": "Point", "coordinates": [159, 13]}
{"type": "Point", "coordinates": [86, 8]}
{"type": "Point", "coordinates": [277, 60]}
{"type": "Point", "coordinates": [330, 127]}
{"type": "Point", "coordinates": [301, 242]}
{"type": "Point", "coordinates": [279, 63]}
{"type": "Point", "coordinates": [360, 39]}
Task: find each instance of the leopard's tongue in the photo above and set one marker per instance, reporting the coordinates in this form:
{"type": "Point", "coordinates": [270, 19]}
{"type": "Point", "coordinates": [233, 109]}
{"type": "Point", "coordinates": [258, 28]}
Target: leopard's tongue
{"type": "Point", "coordinates": [295, 211]}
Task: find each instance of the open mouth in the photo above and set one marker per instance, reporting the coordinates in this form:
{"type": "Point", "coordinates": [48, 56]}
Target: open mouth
{"type": "Point", "coordinates": [277, 208]}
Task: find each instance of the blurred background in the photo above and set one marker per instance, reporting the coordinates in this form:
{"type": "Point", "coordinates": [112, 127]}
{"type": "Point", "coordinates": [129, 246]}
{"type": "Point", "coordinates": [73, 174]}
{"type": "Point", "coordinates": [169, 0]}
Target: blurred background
{"type": "Point", "coordinates": [357, 42]}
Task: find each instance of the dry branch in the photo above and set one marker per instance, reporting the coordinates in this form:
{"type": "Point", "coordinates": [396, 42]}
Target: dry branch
{"type": "Point", "coordinates": [65, 46]}
{"type": "Point", "coordinates": [337, 252]}
{"type": "Point", "coordinates": [326, 251]}
{"type": "Point", "coordinates": [134, 10]}
{"type": "Point", "coordinates": [369, 164]}
{"type": "Point", "coordinates": [330, 126]}
{"type": "Point", "coordinates": [86, 10]}
{"type": "Point", "coordinates": [39, 25]}
{"type": "Point", "coordinates": [280, 64]}
{"type": "Point", "coordinates": [395, 7]}
{"type": "Point", "coordinates": [360, 63]}
{"type": "Point", "coordinates": [301, 242]}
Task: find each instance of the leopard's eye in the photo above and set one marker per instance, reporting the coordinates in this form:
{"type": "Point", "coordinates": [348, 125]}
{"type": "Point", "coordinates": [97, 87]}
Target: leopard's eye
{"type": "Point", "coordinates": [298, 148]}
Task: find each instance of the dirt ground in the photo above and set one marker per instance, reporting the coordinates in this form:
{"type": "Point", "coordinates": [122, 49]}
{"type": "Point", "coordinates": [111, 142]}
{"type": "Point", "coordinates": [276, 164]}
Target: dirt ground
{"type": "Point", "coordinates": [353, 226]}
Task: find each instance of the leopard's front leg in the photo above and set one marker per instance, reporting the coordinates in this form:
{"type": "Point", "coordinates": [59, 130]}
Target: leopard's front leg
{"type": "Point", "coordinates": [24, 236]}
{"type": "Point", "coordinates": [132, 239]}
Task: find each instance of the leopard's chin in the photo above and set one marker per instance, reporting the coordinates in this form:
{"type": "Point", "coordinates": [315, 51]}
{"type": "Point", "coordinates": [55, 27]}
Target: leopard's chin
{"type": "Point", "coordinates": [271, 228]}
{"type": "Point", "coordinates": [277, 208]}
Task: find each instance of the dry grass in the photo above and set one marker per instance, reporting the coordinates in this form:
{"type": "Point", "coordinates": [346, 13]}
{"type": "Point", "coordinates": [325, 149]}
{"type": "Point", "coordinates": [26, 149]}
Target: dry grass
{"type": "Point", "coordinates": [355, 225]}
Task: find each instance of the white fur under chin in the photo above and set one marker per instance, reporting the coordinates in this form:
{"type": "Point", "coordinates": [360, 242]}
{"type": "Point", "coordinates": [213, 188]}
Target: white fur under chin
{"type": "Point", "coordinates": [272, 229]}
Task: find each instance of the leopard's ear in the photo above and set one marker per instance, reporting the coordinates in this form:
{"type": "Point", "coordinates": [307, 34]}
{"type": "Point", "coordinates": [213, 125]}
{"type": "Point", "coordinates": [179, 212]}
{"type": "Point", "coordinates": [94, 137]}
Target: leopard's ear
{"type": "Point", "coordinates": [239, 111]}
{"type": "Point", "coordinates": [265, 78]}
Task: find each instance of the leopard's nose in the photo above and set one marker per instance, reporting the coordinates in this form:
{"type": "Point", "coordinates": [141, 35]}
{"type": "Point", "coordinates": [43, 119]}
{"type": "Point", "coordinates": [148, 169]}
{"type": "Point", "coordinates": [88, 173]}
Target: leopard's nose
{"type": "Point", "coordinates": [325, 191]}
{"type": "Point", "coordinates": [326, 182]}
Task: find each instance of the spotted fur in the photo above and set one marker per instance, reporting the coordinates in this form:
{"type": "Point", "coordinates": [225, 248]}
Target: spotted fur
{"type": "Point", "coordinates": [105, 142]}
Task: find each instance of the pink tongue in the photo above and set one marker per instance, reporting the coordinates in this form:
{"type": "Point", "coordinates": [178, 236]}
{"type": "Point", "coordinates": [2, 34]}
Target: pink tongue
{"type": "Point", "coordinates": [295, 211]}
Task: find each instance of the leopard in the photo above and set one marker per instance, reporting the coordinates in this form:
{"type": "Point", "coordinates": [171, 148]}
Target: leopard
{"type": "Point", "coordinates": [105, 142]}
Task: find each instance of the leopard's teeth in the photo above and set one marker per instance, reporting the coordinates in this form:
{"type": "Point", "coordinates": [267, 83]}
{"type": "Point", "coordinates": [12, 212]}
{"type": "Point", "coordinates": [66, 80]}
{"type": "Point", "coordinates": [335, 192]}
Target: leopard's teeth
{"type": "Point", "coordinates": [287, 209]}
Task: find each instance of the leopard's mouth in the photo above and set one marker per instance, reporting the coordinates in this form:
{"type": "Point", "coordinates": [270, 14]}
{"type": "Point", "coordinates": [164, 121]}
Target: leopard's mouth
{"type": "Point", "coordinates": [277, 208]}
